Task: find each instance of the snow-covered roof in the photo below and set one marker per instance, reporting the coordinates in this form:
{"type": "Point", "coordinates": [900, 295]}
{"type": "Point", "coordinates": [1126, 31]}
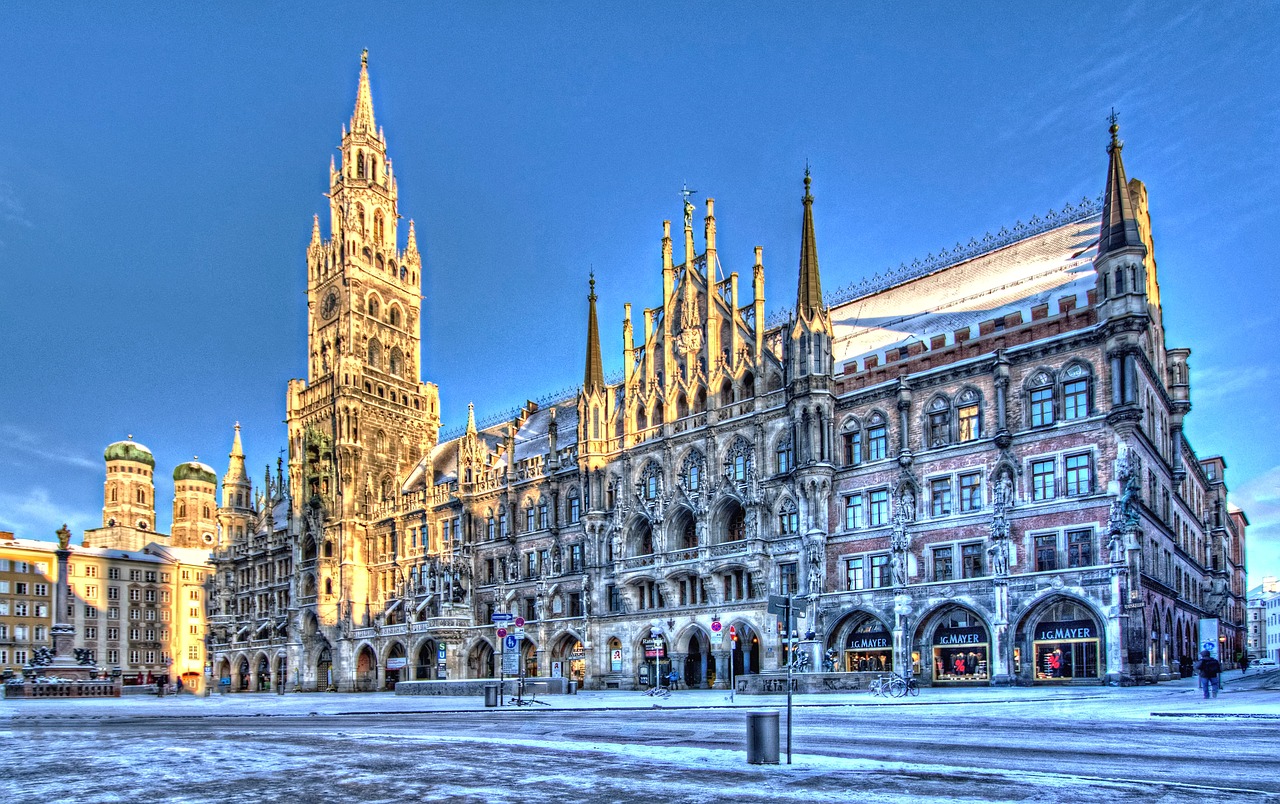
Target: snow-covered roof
{"type": "Point", "coordinates": [1036, 270]}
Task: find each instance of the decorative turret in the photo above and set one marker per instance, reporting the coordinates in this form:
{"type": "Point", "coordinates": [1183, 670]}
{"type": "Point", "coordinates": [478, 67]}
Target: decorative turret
{"type": "Point", "coordinates": [592, 401]}
{"type": "Point", "coordinates": [236, 514]}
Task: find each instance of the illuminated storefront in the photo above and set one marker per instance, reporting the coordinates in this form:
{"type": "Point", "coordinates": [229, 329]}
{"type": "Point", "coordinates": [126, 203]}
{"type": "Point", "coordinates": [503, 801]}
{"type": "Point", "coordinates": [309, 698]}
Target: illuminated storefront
{"type": "Point", "coordinates": [1065, 643]}
{"type": "Point", "coordinates": [961, 646]}
{"type": "Point", "coordinates": [868, 647]}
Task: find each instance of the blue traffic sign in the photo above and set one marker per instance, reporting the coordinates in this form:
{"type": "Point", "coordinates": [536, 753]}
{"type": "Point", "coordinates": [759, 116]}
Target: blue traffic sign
{"type": "Point", "coordinates": [502, 618]}
{"type": "Point", "coordinates": [509, 642]}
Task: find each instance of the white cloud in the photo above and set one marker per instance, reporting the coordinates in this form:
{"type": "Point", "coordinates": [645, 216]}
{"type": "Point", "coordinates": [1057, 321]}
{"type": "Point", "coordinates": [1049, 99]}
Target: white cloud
{"type": "Point", "coordinates": [1259, 498]}
{"type": "Point", "coordinates": [1213, 383]}
{"type": "Point", "coordinates": [11, 208]}
{"type": "Point", "coordinates": [33, 515]}
{"type": "Point", "coordinates": [32, 444]}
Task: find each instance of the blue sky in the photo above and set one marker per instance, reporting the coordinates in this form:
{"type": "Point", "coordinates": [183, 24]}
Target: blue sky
{"type": "Point", "coordinates": [159, 168]}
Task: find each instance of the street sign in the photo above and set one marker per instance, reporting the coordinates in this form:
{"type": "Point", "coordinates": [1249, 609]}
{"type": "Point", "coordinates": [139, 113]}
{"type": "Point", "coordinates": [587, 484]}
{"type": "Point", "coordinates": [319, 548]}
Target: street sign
{"type": "Point", "coordinates": [502, 617]}
{"type": "Point", "coordinates": [519, 622]}
{"type": "Point", "coordinates": [733, 632]}
{"type": "Point", "coordinates": [510, 642]}
{"type": "Point", "coordinates": [511, 663]}
{"type": "Point", "coordinates": [502, 632]}
{"type": "Point", "coordinates": [715, 626]}
{"type": "Point", "coordinates": [717, 637]}
{"type": "Point", "coordinates": [520, 631]}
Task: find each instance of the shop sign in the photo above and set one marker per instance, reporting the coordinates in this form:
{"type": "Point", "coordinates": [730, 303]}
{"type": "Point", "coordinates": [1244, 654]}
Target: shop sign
{"type": "Point", "coordinates": [615, 660]}
{"type": "Point", "coordinates": [397, 663]}
{"type": "Point", "coordinates": [1065, 631]}
{"type": "Point", "coordinates": [960, 636]}
{"type": "Point", "coordinates": [873, 639]}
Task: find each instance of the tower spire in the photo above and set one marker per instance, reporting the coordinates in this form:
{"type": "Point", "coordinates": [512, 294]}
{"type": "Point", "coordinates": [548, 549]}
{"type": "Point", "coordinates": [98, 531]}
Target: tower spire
{"type": "Point", "coordinates": [471, 418]}
{"type": "Point", "coordinates": [809, 291]}
{"type": "Point", "coordinates": [362, 117]}
{"type": "Point", "coordinates": [1119, 228]}
{"type": "Point", "coordinates": [235, 469]}
{"type": "Point", "coordinates": [593, 377]}
{"type": "Point", "coordinates": [411, 246]}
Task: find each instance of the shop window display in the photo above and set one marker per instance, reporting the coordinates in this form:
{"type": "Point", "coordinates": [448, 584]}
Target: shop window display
{"type": "Point", "coordinates": [960, 648]}
{"type": "Point", "coordinates": [1065, 643]}
{"type": "Point", "coordinates": [869, 648]}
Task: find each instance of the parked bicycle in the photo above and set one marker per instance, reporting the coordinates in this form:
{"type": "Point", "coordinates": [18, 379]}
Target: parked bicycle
{"type": "Point", "coordinates": [894, 686]}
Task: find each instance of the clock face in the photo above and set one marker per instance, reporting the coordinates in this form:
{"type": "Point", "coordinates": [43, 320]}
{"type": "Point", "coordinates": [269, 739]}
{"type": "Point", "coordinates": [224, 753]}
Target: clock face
{"type": "Point", "coordinates": [329, 307]}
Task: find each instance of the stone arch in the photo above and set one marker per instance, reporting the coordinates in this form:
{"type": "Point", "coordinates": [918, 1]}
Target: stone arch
{"type": "Point", "coordinates": [308, 548]}
{"type": "Point", "coordinates": [481, 659]}
{"type": "Point", "coordinates": [1060, 617]}
{"type": "Point", "coordinates": [395, 654]}
{"type": "Point", "coordinates": [640, 539]}
{"type": "Point", "coordinates": [682, 528]}
{"type": "Point", "coordinates": [862, 641]}
{"type": "Point", "coordinates": [726, 393]}
{"type": "Point", "coordinates": [366, 668]}
{"type": "Point", "coordinates": [745, 647]}
{"type": "Point", "coordinates": [728, 521]}
{"type": "Point", "coordinates": [242, 677]}
{"type": "Point", "coordinates": [696, 665]}
{"type": "Point", "coordinates": [261, 669]}
{"type": "Point", "coordinates": [951, 630]}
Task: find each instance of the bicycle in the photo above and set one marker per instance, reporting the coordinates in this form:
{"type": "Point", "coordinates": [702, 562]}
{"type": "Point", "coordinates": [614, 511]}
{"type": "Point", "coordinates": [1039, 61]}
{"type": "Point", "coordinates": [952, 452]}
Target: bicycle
{"type": "Point", "coordinates": [880, 686]}
{"type": "Point", "coordinates": [900, 686]}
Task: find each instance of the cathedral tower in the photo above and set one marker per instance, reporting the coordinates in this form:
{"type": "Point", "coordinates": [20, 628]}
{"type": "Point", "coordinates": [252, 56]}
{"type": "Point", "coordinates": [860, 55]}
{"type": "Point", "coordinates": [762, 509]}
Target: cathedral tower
{"type": "Point", "coordinates": [129, 496]}
{"type": "Point", "coordinates": [195, 490]}
{"type": "Point", "coordinates": [362, 419]}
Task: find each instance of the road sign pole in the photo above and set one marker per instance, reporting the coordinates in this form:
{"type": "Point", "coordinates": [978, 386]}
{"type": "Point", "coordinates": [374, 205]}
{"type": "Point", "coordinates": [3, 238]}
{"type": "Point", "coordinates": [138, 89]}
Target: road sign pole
{"type": "Point", "coordinates": [791, 660]}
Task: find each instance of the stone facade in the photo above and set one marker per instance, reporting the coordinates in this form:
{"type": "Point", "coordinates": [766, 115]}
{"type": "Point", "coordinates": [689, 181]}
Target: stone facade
{"type": "Point", "coordinates": [974, 470]}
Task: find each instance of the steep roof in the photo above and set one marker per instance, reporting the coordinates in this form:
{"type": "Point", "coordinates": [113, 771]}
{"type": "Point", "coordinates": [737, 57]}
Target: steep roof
{"type": "Point", "coordinates": [1037, 269]}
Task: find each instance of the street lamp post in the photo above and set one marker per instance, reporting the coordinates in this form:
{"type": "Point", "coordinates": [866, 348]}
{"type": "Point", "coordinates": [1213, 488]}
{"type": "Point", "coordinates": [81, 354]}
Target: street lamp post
{"type": "Point", "coordinates": [655, 634]}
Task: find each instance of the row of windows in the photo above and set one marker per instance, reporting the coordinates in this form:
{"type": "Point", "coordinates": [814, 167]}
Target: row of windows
{"type": "Point", "coordinates": [24, 567]}
{"type": "Point", "coordinates": [22, 608]}
{"type": "Point", "coordinates": [113, 593]}
{"type": "Point", "coordinates": [948, 562]}
{"type": "Point", "coordinates": [948, 422]}
{"type": "Point", "coordinates": [113, 573]}
{"type": "Point", "coordinates": [24, 588]}
{"type": "Point", "coordinates": [22, 633]}
{"type": "Point", "coordinates": [113, 613]}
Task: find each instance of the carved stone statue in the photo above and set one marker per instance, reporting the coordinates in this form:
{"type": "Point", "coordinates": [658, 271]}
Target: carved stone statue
{"type": "Point", "coordinates": [64, 536]}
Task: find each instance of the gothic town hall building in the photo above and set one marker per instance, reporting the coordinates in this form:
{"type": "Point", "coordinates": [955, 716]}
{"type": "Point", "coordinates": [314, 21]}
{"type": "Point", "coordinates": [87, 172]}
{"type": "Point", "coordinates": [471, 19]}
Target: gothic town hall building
{"type": "Point", "coordinates": [973, 468]}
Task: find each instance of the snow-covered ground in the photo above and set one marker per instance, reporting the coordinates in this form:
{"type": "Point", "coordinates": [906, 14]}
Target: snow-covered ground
{"type": "Point", "coordinates": [1161, 744]}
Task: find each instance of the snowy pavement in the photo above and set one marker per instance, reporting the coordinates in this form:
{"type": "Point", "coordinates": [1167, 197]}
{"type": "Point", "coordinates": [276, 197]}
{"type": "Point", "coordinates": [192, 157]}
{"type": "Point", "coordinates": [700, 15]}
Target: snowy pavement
{"type": "Point", "coordinates": [991, 744]}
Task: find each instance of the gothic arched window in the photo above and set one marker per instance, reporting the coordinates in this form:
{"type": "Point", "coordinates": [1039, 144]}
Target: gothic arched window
{"type": "Point", "coordinates": [395, 362]}
{"type": "Point", "coordinates": [377, 228]}
{"type": "Point", "coordinates": [1040, 399]}
{"type": "Point", "coordinates": [375, 353]}
{"type": "Point", "coordinates": [360, 164]}
{"type": "Point", "coordinates": [394, 316]}
{"type": "Point", "coordinates": [788, 518]}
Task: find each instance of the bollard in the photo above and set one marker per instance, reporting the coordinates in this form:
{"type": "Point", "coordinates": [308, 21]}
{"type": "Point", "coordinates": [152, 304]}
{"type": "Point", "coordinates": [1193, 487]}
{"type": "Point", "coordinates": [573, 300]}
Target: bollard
{"type": "Point", "coordinates": [762, 738]}
{"type": "Point", "coordinates": [491, 694]}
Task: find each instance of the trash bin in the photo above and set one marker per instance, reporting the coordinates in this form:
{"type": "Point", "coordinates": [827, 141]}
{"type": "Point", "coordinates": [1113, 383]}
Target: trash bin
{"type": "Point", "coordinates": [491, 694]}
{"type": "Point", "coordinates": [573, 688]}
{"type": "Point", "coordinates": [762, 738]}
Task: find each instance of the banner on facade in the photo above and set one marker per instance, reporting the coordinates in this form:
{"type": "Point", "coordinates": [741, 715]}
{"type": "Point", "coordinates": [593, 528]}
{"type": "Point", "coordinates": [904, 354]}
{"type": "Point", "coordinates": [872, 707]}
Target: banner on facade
{"type": "Point", "coordinates": [397, 663]}
{"type": "Point", "coordinates": [960, 636]}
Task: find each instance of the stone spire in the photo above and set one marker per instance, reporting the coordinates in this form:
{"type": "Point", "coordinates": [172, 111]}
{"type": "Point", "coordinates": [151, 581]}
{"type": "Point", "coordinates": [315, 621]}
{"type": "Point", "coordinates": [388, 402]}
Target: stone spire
{"type": "Point", "coordinates": [1119, 229]}
{"type": "Point", "coordinates": [809, 291]}
{"type": "Point", "coordinates": [471, 418]}
{"type": "Point", "coordinates": [593, 377]}
{"type": "Point", "coordinates": [362, 117]}
{"type": "Point", "coordinates": [235, 469]}
{"type": "Point", "coordinates": [315, 230]}
{"type": "Point", "coordinates": [411, 247]}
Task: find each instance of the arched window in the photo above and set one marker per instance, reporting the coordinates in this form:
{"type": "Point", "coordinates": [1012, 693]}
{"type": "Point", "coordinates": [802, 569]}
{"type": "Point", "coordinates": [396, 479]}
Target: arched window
{"type": "Point", "coordinates": [182, 510]}
{"type": "Point", "coordinates": [877, 437]}
{"type": "Point", "coordinates": [575, 507]}
{"type": "Point", "coordinates": [691, 471]}
{"type": "Point", "coordinates": [142, 496]}
{"type": "Point", "coordinates": [1040, 399]}
{"type": "Point", "coordinates": [395, 363]}
{"type": "Point", "coordinates": [650, 481]}
{"type": "Point", "coordinates": [328, 586]}
{"type": "Point", "coordinates": [491, 527]}
{"type": "Point", "coordinates": [788, 518]}
{"type": "Point", "coordinates": [938, 424]}
{"type": "Point", "coordinates": [851, 440]}
{"type": "Point", "coordinates": [374, 307]}
{"type": "Point", "coordinates": [206, 512]}
{"type": "Point", "coordinates": [395, 316]}
{"type": "Point", "coordinates": [738, 460]}
{"type": "Point", "coordinates": [360, 218]}
{"type": "Point", "coordinates": [968, 416]}
{"type": "Point", "coordinates": [375, 353]}
{"type": "Point", "coordinates": [377, 228]}
{"type": "Point", "coordinates": [784, 453]}
{"type": "Point", "coordinates": [1077, 397]}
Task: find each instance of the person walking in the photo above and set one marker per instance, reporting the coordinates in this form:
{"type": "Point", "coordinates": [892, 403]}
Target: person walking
{"type": "Point", "coordinates": [1209, 670]}
{"type": "Point", "coordinates": [1244, 663]}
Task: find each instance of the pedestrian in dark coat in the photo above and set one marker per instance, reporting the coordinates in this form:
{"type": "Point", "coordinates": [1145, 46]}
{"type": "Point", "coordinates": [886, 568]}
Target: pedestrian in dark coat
{"type": "Point", "coordinates": [1209, 670]}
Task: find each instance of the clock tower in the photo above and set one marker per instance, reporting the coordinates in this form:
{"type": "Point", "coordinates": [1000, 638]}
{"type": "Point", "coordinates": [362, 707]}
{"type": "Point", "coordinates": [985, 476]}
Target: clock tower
{"type": "Point", "coordinates": [363, 418]}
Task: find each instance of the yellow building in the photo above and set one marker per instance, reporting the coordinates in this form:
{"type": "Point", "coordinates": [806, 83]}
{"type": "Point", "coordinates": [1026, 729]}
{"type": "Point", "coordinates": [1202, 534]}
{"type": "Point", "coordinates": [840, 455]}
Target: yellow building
{"type": "Point", "coordinates": [26, 600]}
{"type": "Point", "coordinates": [140, 614]}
